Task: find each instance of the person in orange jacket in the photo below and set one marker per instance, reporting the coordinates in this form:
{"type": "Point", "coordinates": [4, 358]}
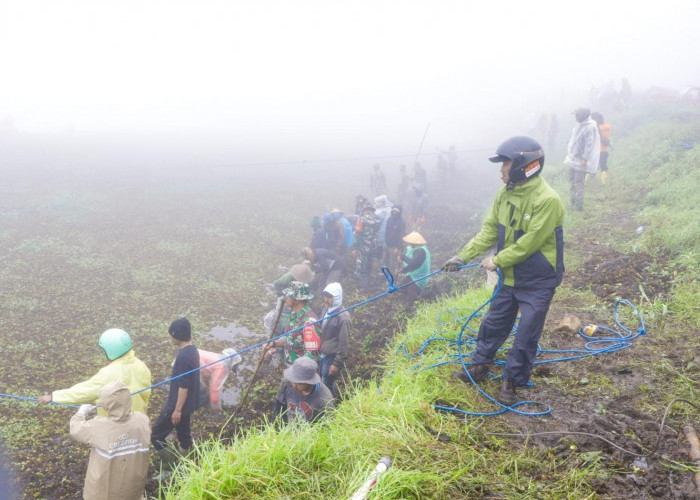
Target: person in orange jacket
{"type": "Point", "coordinates": [605, 145]}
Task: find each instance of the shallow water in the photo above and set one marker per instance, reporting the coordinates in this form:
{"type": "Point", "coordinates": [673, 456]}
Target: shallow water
{"type": "Point", "coordinates": [238, 338]}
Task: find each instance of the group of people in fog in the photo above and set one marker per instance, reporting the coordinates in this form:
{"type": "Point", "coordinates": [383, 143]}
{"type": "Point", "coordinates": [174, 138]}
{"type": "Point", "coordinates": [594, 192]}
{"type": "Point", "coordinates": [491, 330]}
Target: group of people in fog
{"type": "Point", "coordinates": [356, 245]}
{"type": "Point", "coordinates": [344, 250]}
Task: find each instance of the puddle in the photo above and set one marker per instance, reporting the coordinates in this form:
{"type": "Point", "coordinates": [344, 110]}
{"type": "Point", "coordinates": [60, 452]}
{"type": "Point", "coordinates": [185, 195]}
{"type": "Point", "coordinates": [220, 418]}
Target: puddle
{"type": "Point", "coordinates": [238, 338]}
{"type": "Point", "coordinates": [233, 334]}
{"type": "Point", "coordinates": [231, 395]}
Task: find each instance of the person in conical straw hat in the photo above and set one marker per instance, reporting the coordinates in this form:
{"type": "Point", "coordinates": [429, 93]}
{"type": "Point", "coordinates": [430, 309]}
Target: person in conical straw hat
{"type": "Point", "coordinates": [415, 263]}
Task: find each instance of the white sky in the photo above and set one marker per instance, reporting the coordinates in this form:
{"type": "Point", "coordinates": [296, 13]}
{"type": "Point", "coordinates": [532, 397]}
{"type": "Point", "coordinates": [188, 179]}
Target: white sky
{"type": "Point", "coordinates": [326, 71]}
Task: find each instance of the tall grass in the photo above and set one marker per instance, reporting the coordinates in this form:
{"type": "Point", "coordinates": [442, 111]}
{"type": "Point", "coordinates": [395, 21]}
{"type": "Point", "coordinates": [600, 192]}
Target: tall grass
{"type": "Point", "coordinates": [435, 455]}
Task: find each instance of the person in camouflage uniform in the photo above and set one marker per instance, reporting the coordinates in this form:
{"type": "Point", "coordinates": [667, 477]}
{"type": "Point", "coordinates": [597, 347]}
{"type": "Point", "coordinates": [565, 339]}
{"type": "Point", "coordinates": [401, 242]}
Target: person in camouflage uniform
{"type": "Point", "coordinates": [366, 244]}
{"type": "Point", "coordinates": [303, 342]}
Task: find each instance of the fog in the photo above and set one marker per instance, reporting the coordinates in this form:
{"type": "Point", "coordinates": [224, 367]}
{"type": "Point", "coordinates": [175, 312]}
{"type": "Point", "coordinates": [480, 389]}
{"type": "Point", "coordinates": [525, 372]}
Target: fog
{"type": "Point", "coordinates": [232, 83]}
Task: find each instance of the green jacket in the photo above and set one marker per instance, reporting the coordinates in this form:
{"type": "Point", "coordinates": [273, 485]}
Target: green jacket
{"type": "Point", "coordinates": [422, 269]}
{"type": "Point", "coordinates": [128, 369]}
{"type": "Point", "coordinates": [526, 225]}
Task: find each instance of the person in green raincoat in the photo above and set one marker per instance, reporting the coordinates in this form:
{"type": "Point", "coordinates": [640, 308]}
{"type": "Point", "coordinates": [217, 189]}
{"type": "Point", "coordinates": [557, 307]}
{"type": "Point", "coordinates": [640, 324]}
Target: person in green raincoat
{"type": "Point", "coordinates": [415, 264]}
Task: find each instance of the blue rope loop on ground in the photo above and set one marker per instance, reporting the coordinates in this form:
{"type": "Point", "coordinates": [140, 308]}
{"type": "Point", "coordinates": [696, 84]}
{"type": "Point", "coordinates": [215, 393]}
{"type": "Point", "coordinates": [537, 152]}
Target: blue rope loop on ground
{"type": "Point", "coordinates": [465, 344]}
{"type": "Point", "coordinates": [391, 289]}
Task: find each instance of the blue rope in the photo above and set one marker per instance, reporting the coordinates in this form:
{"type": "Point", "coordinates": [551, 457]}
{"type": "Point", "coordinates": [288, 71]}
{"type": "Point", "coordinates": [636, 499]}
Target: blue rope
{"type": "Point", "coordinates": [465, 345]}
{"type": "Point", "coordinates": [26, 398]}
{"type": "Point", "coordinates": [392, 287]}
{"type": "Point", "coordinates": [623, 342]}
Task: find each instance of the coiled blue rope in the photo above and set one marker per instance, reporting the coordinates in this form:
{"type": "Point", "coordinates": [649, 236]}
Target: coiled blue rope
{"type": "Point", "coordinates": [465, 345]}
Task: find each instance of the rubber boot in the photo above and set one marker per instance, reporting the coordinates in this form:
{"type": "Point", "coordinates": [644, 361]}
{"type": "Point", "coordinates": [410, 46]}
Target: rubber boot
{"type": "Point", "coordinates": [507, 394]}
{"type": "Point", "coordinates": [167, 460]}
{"type": "Point", "coordinates": [478, 371]}
{"type": "Point", "coordinates": [603, 177]}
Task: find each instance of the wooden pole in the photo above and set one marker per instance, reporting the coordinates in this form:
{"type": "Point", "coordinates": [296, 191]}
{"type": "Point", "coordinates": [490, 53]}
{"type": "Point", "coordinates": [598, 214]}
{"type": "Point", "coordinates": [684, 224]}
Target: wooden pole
{"type": "Point", "coordinates": [694, 452]}
{"type": "Point", "coordinates": [244, 397]}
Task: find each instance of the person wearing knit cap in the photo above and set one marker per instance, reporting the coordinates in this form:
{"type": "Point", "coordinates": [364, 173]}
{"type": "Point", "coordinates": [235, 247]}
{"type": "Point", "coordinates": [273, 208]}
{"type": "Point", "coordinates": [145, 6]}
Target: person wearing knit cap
{"type": "Point", "coordinates": [183, 395]}
{"type": "Point", "coordinates": [318, 240]}
{"type": "Point", "coordinates": [415, 264]}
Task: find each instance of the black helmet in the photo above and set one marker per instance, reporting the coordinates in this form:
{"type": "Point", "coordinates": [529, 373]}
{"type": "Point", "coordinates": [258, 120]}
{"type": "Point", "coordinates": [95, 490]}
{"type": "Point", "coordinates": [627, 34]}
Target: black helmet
{"type": "Point", "coordinates": [597, 117]}
{"type": "Point", "coordinates": [526, 154]}
{"type": "Point", "coordinates": [582, 114]}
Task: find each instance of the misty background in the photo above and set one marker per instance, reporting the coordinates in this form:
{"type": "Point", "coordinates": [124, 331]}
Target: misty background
{"type": "Point", "coordinates": [223, 84]}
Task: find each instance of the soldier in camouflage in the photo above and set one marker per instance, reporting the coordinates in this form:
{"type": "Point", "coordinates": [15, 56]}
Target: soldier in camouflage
{"type": "Point", "coordinates": [366, 245]}
{"type": "Point", "coordinates": [305, 341]}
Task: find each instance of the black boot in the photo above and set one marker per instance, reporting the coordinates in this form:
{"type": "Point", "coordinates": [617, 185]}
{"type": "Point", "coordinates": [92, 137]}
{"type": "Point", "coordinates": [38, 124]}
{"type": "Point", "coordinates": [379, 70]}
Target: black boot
{"type": "Point", "coordinates": [507, 394]}
{"type": "Point", "coordinates": [478, 371]}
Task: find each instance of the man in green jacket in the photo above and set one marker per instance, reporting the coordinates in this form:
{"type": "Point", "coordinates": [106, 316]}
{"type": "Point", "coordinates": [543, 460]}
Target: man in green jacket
{"type": "Point", "coordinates": [525, 224]}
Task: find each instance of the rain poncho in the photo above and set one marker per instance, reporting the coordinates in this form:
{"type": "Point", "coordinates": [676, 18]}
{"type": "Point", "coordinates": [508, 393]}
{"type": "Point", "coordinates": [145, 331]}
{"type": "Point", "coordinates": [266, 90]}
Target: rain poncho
{"type": "Point", "coordinates": [212, 378]}
{"type": "Point", "coordinates": [118, 466]}
{"type": "Point", "coordinates": [335, 331]}
{"type": "Point", "coordinates": [584, 145]}
{"type": "Point", "coordinates": [128, 369]}
{"type": "Point", "coordinates": [382, 209]}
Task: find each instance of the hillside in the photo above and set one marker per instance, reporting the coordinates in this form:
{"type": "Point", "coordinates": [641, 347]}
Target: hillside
{"type": "Point", "coordinates": [637, 239]}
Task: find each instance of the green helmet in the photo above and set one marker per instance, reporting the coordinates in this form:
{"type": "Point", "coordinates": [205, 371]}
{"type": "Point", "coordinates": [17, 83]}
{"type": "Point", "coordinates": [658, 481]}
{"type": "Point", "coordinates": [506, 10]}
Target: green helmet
{"type": "Point", "coordinates": [115, 343]}
{"type": "Point", "coordinates": [298, 290]}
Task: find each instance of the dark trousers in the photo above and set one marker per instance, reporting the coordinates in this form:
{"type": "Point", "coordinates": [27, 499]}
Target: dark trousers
{"type": "Point", "coordinates": [410, 292]}
{"type": "Point", "coordinates": [328, 380]}
{"type": "Point", "coordinates": [603, 162]}
{"type": "Point", "coordinates": [533, 304]}
{"type": "Point", "coordinates": [164, 425]}
{"type": "Point", "coordinates": [578, 184]}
